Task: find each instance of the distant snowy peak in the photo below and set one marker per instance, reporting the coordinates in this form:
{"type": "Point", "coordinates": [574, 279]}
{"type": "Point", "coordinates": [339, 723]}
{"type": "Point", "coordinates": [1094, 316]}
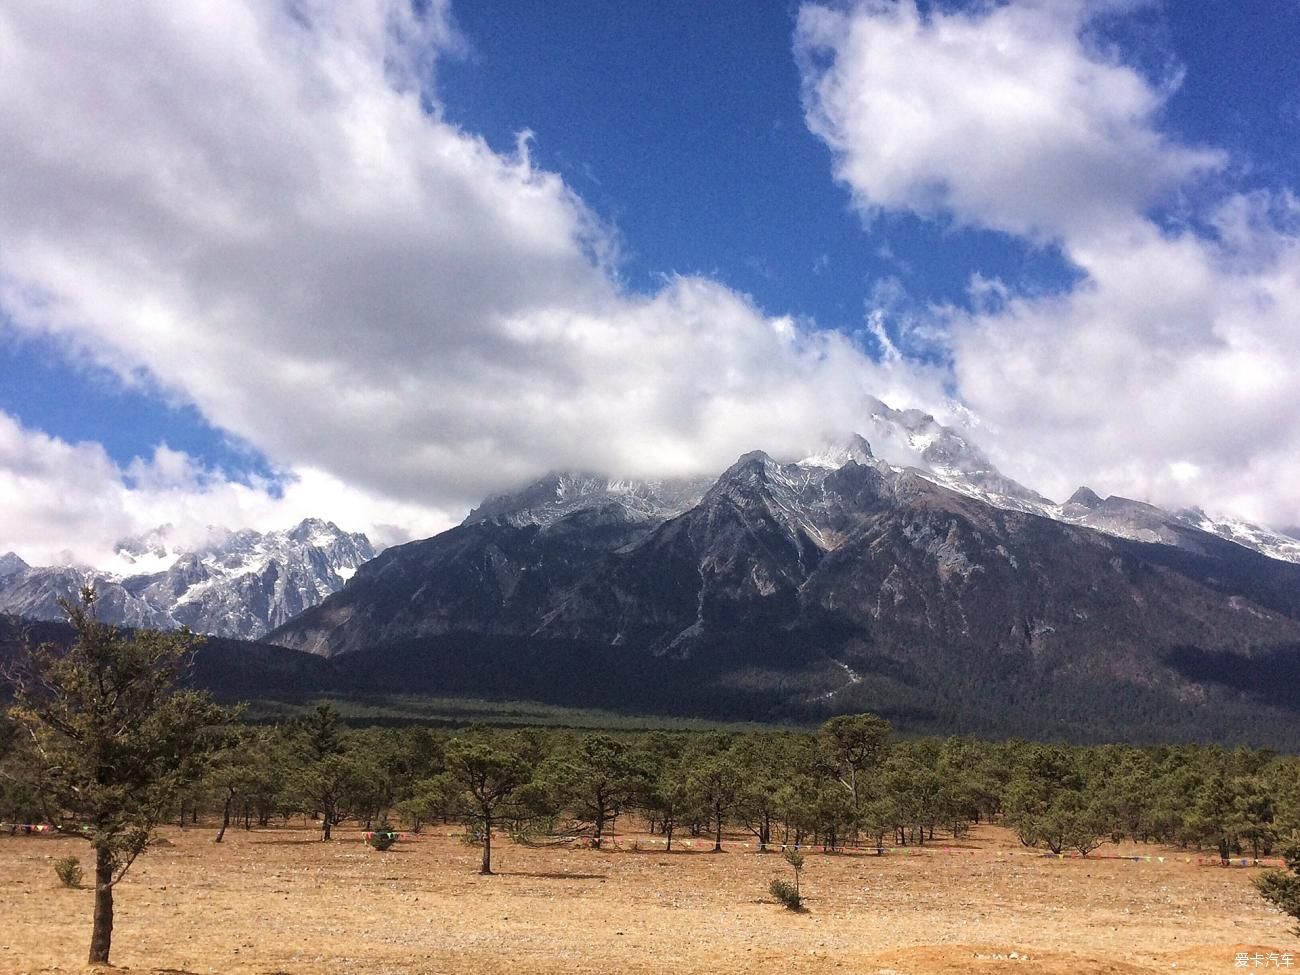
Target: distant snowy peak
{"type": "Point", "coordinates": [11, 563]}
{"type": "Point", "coordinates": [1143, 522]}
{"type": "Point", "coordinates": [154, 551]}
{"type": "Point", "coordinates": [557, 495]}
{"type": "Point", "coordinates": [318, 533]}
{"type": "Point", "coordinates": [234, 583]}
{"type": "Point", "coordinates": [1124, 518]}
{"type": "Point", "coordinates": [913, 439]}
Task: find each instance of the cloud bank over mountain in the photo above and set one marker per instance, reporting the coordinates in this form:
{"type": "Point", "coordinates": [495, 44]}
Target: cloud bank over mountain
{"type": "Point", "coordinates": [263, 209]}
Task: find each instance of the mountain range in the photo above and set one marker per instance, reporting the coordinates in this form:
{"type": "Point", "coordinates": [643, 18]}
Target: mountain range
{"type": "Point", "coordinates": [898, 571]}
{"type": "Point", "coordinates": [928, 587]}
{"type": "Point", "coordinates": [914, 439]}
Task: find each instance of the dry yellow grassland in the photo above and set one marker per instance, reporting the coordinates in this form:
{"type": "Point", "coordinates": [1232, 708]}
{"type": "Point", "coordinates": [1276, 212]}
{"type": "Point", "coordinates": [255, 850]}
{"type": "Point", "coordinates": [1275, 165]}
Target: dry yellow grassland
{"type": "Point", "coordinates": [278, 901]}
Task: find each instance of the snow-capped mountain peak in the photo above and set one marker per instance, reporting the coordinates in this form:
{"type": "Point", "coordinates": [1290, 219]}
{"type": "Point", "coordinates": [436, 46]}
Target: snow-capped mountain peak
{"type": "Point", "coordinates": [834, 454]}
{"type": "Point", "coordinates": [153, 551]}
{"type": "Point", "coordinates": [942, 454]}
{"type": "Point", "coordinates": [916, 440]}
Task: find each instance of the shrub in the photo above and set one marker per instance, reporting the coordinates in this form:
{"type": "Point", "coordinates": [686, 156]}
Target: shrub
{"type": "Point", "coordinates": [785, 892]}
{"type": "Point", "coordinates": [69, 871]}
{"type": "Point", "coordinates": [1282, 887]}
{"type": "Point", "coordinates": [795, 859]}
{"type": "Point", "coordinates": [382, 837]}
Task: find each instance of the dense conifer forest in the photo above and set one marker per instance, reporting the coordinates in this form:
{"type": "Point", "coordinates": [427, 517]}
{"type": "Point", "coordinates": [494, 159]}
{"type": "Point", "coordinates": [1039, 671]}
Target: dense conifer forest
{"type": "Point", "coordinates": [849, 783]}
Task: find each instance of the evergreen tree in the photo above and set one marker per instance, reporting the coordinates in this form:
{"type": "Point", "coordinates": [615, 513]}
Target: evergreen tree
{"type": "Point", "coordinates": [669, 800]}
{"type": "Point", "coordinates": [714, 780]}
{"type": "Point", "coordinates": [855, 744]}
{"type": "Point", "coordinates": [1048, 801]}
{"type": "Point", "coordinates": [765, 763]}
{"type": "Point", "coordinates": [116, 740]}
{"type": "Point", "coordinates": [324, 776]}
{"type": "Point", "coordinates": [491, 770]}
{"type": "Point", "coordinates": [597, 780]}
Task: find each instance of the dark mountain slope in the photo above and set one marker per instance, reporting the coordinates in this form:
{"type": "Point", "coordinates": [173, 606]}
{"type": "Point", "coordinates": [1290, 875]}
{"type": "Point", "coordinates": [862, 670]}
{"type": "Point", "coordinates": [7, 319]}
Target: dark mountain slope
{"type": "Point", "coordinates": [485, 576]}
{"type": "Point", "coordinates": [234, 670]}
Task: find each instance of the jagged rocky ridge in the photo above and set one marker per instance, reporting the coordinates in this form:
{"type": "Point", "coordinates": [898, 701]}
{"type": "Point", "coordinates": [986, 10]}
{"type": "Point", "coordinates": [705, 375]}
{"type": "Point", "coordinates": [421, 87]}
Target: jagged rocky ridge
{"type": "Point", "coordinates": [237, 584]}
{"type": "Point", "coordinates": [938, 594]}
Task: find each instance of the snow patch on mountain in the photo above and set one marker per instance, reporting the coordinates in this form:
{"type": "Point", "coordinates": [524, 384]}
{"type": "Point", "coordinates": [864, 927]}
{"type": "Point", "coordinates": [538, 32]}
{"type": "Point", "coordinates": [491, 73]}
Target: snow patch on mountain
{"type": "Point", "coordinates": [832, 455]}
{"type": "Point", "coordinates": [1274, 544]}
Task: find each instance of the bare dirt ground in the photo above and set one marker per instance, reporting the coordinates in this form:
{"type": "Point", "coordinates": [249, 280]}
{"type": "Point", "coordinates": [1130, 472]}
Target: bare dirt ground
{"type": "Point", "coordinates": [278, 902]}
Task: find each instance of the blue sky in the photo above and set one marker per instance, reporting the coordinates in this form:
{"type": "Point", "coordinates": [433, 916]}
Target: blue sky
{"type": "Point", "coordinates": [682, 124]}
{"type": "Point", "coordinates": [53, 389]}
{"type": "Point", "coordinates": [742, 163]}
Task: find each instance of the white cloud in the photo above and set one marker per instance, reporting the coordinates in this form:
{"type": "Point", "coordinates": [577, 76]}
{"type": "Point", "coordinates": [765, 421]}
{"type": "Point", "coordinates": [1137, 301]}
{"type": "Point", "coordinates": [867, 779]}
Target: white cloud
{"type": "Point", "coordinates": [999, 116]}
{"type": "Point", "coordinates": [261, 205]}
{"type": "Point", "coordinates": [1171, 371]}
{"type": "Point", "coordinates": [1170, 374]}
{"type": "Point", "coordinates": [65, 502]}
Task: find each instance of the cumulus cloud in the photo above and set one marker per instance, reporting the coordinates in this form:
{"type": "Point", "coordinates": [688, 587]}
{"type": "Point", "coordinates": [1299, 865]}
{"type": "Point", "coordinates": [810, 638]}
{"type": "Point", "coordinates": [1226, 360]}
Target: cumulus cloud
{"type": "Point", "coordinates": [1170, 372]}
{"type": "Point", "coordinates": [1000, 117]}
{"type": "Point", "coordinates": [261, 205]}
{"type": "Point", "coordinates": [70, 503]}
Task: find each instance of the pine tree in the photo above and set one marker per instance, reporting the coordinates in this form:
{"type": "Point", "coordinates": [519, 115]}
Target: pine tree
{"type": "Point", "coordinates": [490, 770]}
{"type": "Point", "coordinates": [116, 740]}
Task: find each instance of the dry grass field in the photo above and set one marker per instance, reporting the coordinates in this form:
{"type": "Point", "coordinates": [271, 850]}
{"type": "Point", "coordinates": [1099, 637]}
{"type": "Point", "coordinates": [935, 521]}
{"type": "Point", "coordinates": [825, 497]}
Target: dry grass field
{"type": "Point", "coordinates": [278, 901]}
